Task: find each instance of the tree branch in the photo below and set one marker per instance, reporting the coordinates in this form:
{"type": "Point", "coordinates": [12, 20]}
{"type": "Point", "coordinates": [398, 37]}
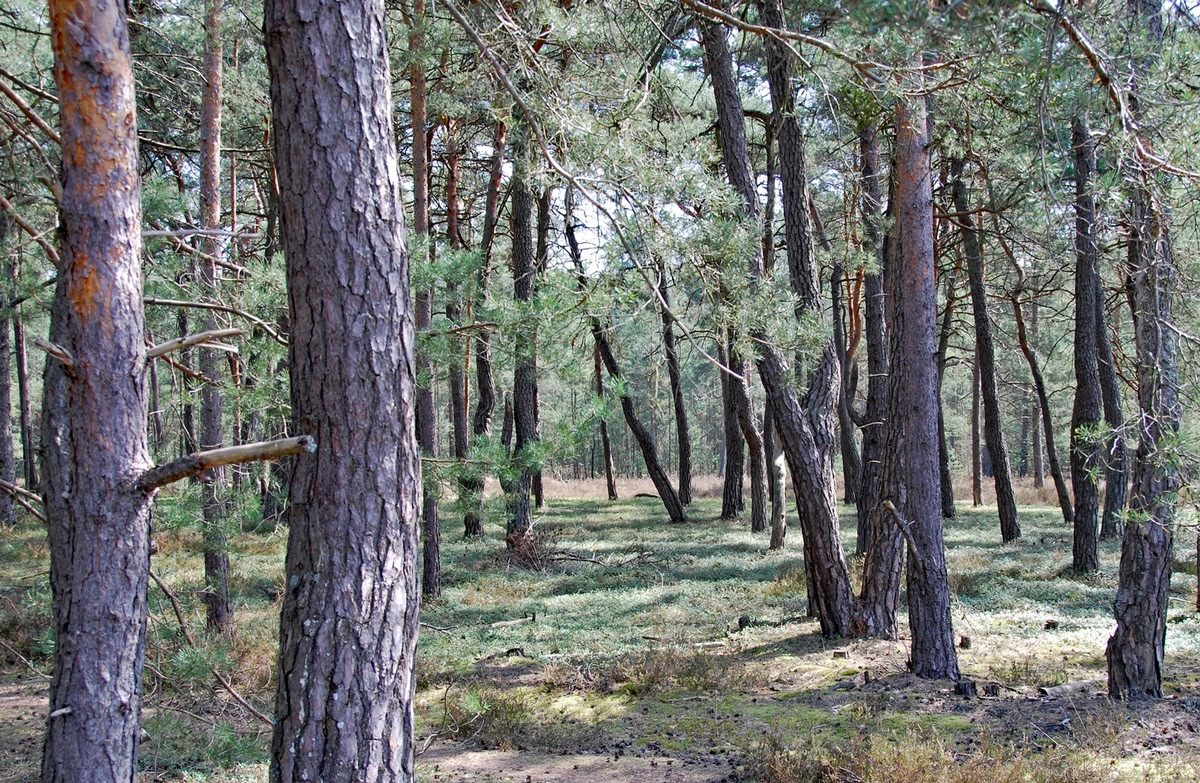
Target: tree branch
{"type": "Point", "coordinates": [32, 115]}
{"type": "Point", "coordinates": [192, 464]}
{"type": "Point", "coordinates": [24, 225]}
{"type": "Point", "coordinates": [274, 335]}
{"type": "Point", "coordinates": [188, 340]}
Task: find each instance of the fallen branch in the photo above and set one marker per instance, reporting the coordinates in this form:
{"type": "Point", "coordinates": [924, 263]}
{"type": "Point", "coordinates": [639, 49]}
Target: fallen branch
{"type": "Point", "coordinates": [189, 340]}
{"type": "Point", "coordinates": [518, 621]}
{"type": "Point", "coordinates": [24, 660]}
{"type": "Point", "coordinates": [201, 461]}
{"type": "Point", "coordinates": [1068, 688]}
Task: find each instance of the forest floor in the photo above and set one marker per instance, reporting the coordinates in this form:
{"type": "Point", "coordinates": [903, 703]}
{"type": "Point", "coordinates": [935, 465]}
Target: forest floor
{"type": "Point", "coordinates": [625, 649]}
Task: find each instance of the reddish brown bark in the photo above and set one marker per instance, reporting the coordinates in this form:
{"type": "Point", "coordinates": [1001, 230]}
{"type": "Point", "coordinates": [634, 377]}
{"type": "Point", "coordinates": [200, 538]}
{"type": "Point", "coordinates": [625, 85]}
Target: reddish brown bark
{"type": "Point", "coordinates": [94, 416]}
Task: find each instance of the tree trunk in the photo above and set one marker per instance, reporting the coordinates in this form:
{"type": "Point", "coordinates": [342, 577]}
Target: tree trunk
{"type": "Point", "coordinates": [1085, 414]}
{"type": "Point", "coordinates": [805, 427]}
{"type": "Point", "coordinates": [1136, 650]}
{"type": "Point", "coordinates": [524, 395]}
{"type": "Point", "coordinates": [976, 437]}
{"type": "Point", "coordinates": [662, 482]}
{"type": "Point", "coordinates": [734, 448]}
{"type": "Point", "coordinates": [876, 331]}
{"type": "Point", "coordinates": [541, 260]}
{"type": "Point", "coordinates": [740, 389]}
{"type": "Point", "coordinates": [217, 600]}
{"type": "Point", "coordinates": [993, 428]}
{"type": "Point", "coordinates": [776, 468]}
{"type": "Point", "coordinates": [910, 469]}
{"type": "Point", "coordinates": [8, 464]}
{"type": "Point", "coordinates": [28, 449]}
{"type": "Point", "coordinates": [682, 433]}
{"type": "Point", "coordinates": [851, 458]}
{"type": "Point", "coordinates": [1116, 462]}
{"type": "Point", "coordinates": [610, 476]}
{"type": "Point", "coordinates": [459, 354]}
{"type": "Point", "coordinates": [1039, 388]}
{"type": "Point", "coordinates": [94, 416]}
{"type": "Point", "coordinates": [485, 383]}
{"type": "Point", "coordinates": [426, 405]}
{"type": "Point", "coordinates": [348, 629]}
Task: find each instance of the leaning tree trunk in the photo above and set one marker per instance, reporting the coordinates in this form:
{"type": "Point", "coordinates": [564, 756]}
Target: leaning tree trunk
{"type": "Point", "coordinates": [993, 428]}
{"type": "Point", "coordinates": [610, 474]}
{"type": "Point", "coordinates": [1085, 414]}
{"type": "Point", "coordinates": [348, 628]}
{"type": "Point", "coordinates": [426, 405]}
{"type": "Point", "coordinates": [1043, 399]}
{"type": "Point", "coordinates": [217, 599]}
{"type": "Point", "coordinates": [806, 426]}
{"type": "Point", "coordinates": [94, 416]}
{"type": "Point", "coordinates": [670, 352]}
{"type": "Point", "coordinates": [645, 441]}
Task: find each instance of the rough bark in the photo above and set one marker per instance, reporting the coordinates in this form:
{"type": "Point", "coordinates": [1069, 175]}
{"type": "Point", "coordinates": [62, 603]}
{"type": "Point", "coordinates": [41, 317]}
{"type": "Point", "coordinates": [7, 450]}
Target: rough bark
{"type": "Point", "coordinates": [94, 415]}
{"type": "Point", "coordinates": [524, 394]}
{"type": "Point", "coordinates": [348, 628]}
{"type": "Point", "coordinates": [1086, 412]}
{"type": "Point", "coordinates": [993, 427]}
{"type": "Point", "coordinates": [426, 409]}
{"type": "Point", "coordinates": [805, 426]}
{"type": "Point", "coordinates": [217, 600]}
{"type": "Point", "coordinates": [1136, 649]}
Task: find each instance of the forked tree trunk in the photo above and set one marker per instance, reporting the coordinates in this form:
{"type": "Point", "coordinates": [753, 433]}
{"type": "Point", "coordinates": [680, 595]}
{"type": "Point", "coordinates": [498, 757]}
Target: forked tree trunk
{"type": "Point", "coordinates": [993, 428]}
{"type": "Point", "coordinates": [1085, 415]}
{"type": "Point", "coordinates": [348, 629]}
{"type": "Point", "coordinates": [912, 485]}
{"type": "Point", "coordinates": [485, 382]}
{"type": "Point", "coordinates": [94, 416]}
{"type": "Point", "coordinates": [805, 427]}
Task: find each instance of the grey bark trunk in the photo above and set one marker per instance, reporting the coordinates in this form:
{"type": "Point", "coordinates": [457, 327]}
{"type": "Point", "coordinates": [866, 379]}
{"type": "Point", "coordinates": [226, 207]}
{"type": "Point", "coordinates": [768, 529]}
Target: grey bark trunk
{"type": "Point", "coordinates": [345, 695]}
